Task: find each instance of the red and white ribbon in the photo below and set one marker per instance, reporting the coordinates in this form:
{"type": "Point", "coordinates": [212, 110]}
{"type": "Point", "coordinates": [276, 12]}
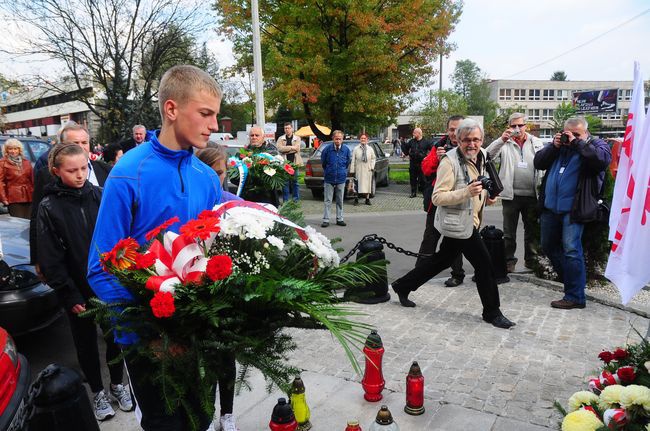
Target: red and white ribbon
{"type": "Point", "coordinates": [615, 418]}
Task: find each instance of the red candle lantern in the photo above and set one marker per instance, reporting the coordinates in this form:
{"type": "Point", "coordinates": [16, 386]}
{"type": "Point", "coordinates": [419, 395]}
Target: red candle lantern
{"type": "Point", "coordinates": [283, 418]}
{"type": "Point", "coordinates": [414, 391]}
{"type": "Point", "coordinates": [353, 426]}
{"type": "Point", "coordinates": [373, 380]}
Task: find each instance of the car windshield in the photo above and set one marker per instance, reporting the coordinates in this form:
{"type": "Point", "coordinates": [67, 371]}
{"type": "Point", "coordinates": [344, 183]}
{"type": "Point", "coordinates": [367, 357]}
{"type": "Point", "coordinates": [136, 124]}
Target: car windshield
{"type": "Point", "coordinates": [350, 144]}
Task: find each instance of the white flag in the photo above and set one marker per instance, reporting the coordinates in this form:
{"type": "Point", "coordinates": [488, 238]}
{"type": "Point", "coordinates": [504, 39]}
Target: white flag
{"type": "Point", "coordinates": [635, 119]}
{"type": "Point", "coordinates": [628, 266]}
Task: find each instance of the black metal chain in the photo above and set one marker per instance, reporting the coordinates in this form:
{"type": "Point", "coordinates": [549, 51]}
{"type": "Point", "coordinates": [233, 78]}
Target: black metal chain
{"type": "Point", "coordinates": [26, 409]}
{"type": "Point", "coordinates": [382, 240]}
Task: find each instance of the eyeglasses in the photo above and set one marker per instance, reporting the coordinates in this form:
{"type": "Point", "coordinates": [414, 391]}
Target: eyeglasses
{"type": "Point", "coordinates": [471, 141]}
{"type": "Point", "coordinates": [517, 125]}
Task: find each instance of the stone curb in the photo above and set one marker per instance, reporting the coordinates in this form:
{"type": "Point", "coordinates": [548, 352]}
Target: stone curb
{"type": "Point", "coordinates": [557, 286]}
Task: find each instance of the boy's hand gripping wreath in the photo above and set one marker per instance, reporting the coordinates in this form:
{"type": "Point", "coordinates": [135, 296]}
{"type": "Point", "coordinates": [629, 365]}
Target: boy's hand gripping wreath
{"type": "Point", "coordinates": [231, 281]}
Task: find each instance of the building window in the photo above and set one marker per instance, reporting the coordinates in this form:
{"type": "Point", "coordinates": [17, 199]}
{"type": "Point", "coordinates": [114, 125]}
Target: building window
{"type": "Point", "coordinates": [548, 95]}
{"type": "Point", "coordinates": [505, 94]}
{"type": "Point", "coordinates": [628, 95]}
{"type": "Point", "coordinates": [519, 94]}
{"type": "Point", "coordinates": [562, 94]}
{"type": "Point", "coordinates": [533, 114]}
{"type": "Point", "coordinates": [533, 94]}
{"type": "Point", "coordinates": [545, 133]}
{"type": "Point", "coordinates": [547, 114]}
{"type": "Point", "coordinates": [620, 94]}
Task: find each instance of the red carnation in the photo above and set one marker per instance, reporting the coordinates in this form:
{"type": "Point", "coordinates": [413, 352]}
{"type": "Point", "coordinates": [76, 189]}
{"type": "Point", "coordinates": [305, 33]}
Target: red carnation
{"type": "Point", "coordinates": [263, 162]}
{"type": "Point", "coordinates": [606, 356]}
{"type": "Point", "coordinates": [626, 374]}
{"type": "Point", "coordinates": [144, 261]}
{"type": "Point", "coordinates": [162, 304]}
{"type": "Point", "coordinates": [219, 267]}
{"type": "Point", "coordinates": [289, 169]}
{"type": "Point", "coordinates": [201, 228]}
{"type": "Point", "coordinates": [155, 231]}
{"type": "Point", "coordinates": [620, 354]}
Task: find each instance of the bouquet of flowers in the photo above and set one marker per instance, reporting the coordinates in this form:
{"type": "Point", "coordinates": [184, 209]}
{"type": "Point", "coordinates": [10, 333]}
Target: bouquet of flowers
{"type": "Point", "coordinates": [258, 173]}
{"type": "Point", "coordinates": [230, 282]}
{"type": "Point", "coordinates": [618, 398]}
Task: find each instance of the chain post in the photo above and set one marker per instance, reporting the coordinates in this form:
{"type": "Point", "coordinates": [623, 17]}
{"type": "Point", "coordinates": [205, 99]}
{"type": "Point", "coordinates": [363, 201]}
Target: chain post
{"type": "Point", "coordinates": [27, 409]}
{"type": "Point", "coordinates": [382, 240]}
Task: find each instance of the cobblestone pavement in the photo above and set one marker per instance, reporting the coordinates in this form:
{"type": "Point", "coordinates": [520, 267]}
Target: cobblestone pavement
{"type": "Point", "coordinates": [514, 374]}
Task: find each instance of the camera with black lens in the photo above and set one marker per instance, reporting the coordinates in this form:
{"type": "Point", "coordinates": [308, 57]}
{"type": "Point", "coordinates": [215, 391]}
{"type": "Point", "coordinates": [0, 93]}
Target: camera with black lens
{"type": "Point", "coordinates": [564, 139]}
{"type": "Point", "coordinates": [489, 186]}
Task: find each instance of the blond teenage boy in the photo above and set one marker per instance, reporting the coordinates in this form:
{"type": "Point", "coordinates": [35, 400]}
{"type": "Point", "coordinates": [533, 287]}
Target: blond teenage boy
{"type": "Point", "coordinates": [154, 182]}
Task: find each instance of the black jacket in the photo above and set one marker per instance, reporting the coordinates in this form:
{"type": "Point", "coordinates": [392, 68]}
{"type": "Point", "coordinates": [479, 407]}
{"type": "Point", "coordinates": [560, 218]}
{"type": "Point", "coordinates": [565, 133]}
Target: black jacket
{"type": "Point", "coordinates": [65, 224]}
{"type": "Point", "coordinates": [417, 150]}
{"type": "Point", "coordinates": [42, 178]}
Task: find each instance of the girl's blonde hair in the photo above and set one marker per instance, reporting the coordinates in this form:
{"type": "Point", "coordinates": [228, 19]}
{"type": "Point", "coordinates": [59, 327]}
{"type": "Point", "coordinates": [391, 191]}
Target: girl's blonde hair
{"type": "Point", "coordinates": [54, 159]}
{"type": "Point", "coordinates": [13, 143]}
{"type": "Point", "coordinates": [212, 154]}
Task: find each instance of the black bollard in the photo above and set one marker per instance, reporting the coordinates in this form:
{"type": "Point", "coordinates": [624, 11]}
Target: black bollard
{"type": "Point", "coordinates": [375, 292]}
{"type": "Point", "coordinates": [62, 404]}
{"type": "Point", "coordinates": [493, 239]}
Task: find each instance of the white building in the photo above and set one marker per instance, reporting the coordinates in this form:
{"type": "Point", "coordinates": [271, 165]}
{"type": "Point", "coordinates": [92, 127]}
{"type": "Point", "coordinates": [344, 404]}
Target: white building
{"type": "Point", "coordinates": [539, 99]}
{"type": "Point", "coordinates": [41, 112]}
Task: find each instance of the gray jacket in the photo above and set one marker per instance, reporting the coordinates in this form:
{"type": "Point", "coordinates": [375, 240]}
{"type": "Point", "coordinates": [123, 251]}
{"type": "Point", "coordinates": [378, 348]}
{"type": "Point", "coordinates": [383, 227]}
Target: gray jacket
{"type": "Point", "coordinates": [510, 154]}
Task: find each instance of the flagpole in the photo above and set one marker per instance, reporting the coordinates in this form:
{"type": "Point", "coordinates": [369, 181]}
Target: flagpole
{"type": "Point", "coordinates": [257, 65]}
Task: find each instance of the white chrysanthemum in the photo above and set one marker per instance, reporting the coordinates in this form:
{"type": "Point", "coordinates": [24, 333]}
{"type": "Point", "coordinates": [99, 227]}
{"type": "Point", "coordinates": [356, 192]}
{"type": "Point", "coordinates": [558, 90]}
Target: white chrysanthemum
{"type": "Point", "coordinates": [269, 171]}
{"type": "Point", "coordinates": [635, 395]}
{"type": "Point", "coordinates": [300, 243]}
{"type": "Point", "coordinates": [245, 223]}
{"type": "Point", "coordinates": [275, 242]}
{"type": "Point", "coordinates": [610, 397]}
{"type": "Point", "coordinates": [582, 398]}
{"type": "Point", "coordinates": [321, 246]}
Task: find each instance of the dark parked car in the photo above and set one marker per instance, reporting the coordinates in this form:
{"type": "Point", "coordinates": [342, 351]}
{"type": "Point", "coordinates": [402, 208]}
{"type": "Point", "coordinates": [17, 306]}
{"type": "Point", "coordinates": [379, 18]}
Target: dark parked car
{"type": "Point", "coordinates": [26, 304]}
{"type": "Point", "coordinates": [314, 169]}
{"type": "Point", "coordinates": [14, 381]}
{"type": "Point", "coordinates": [33, 147]}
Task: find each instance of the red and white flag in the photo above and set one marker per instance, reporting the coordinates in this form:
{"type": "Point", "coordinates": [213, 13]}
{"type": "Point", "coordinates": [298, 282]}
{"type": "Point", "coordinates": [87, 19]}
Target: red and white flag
{"type": "Point", "coordinates": [622, 197]}
{"type": "Point", "coordinates": [628, 266]}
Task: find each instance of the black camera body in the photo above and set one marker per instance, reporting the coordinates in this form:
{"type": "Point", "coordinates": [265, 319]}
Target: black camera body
{"type": "Point", "coordinates": [489, 186]}
{"type": "Point", "coordinates": [564, 139]}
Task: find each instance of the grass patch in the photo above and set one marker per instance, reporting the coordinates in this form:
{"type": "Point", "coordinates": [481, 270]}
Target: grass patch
{"type": "Point", "coordinates": [399, 177]}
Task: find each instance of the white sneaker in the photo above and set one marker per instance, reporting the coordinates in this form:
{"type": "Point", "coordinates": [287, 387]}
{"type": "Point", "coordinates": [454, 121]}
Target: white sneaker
{"type": "Point", "coordinates": [102, 406]}
{"type": "Point", "coordinates": [122, 395]}
{"type": "Point", "coordinates": [227, 423]}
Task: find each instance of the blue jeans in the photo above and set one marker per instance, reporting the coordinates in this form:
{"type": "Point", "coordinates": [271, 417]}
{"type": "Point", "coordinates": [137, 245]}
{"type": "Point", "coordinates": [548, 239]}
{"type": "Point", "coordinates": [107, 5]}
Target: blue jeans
{"type": "Point", "coordinates": [293, 183]}
{"type": "Point", "coordinates": [562, 243]}
{"type": "Point", "coordinates": [330, 191]}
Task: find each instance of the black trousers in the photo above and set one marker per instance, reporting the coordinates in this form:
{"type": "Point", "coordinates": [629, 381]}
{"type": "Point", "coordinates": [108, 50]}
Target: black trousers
{"type": "Point", "coordinates": [84, 335]}
{"type": "Point", "coordinates": [416, 177]}
{"type": "Point", "coordinates": [150, 400]}
{"type": "Point", "coordinates": [430, 242]}
{"type": "Point", "coordinates": [474, 250]}
{"type": "Point", "coordinates": [227, 374]}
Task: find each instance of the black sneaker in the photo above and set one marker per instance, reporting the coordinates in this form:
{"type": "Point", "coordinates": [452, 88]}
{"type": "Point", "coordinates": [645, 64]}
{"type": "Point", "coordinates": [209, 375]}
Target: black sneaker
{"type": "Point", "coordinates": [341, 223]}
{"type": "Point", "coordinates": [324, 224]}
{"type": "Point", "coordinates": [453, 282]}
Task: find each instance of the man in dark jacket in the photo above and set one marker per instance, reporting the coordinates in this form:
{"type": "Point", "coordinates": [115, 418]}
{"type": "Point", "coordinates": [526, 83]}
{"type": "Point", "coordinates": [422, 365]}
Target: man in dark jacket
{"type": "Point", "coordinates": [573, 157]}
{"type": "Point", "coordinates": [335, 159]}
{"type": "Point", "coordinates": [98, 171]}
{"type": "Point", "coordinates": [429, 168]}
{"type": "Point", "coordinates": [139, 136]}
{"type": "Point", "coordinates": [417, 149]}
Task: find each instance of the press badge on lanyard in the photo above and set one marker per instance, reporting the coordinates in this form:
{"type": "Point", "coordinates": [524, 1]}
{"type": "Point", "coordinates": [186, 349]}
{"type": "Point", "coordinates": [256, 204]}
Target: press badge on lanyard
{"type": "Point", "coordinates": [522, 165]}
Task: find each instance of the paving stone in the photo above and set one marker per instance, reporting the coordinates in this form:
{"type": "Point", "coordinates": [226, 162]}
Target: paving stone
{"type": "Point", "coordinates": [455, 418]}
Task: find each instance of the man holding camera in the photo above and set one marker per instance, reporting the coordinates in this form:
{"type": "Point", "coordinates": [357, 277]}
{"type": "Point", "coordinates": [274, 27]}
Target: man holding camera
{"type": "Point", "coordinates": [460, 198]}
{"type": "Point", "coordinates": [573, 163]}
{"type": "Point", "coordinates": [417, 148]}
{"type": "Point", "coordinates": [516, 150]}
{"type": "Point", "coordinates": [429, 169]}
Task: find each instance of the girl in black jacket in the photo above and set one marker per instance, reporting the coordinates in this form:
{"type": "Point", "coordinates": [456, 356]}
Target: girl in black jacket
{"type": "Point", "coordinates": [65, 223]}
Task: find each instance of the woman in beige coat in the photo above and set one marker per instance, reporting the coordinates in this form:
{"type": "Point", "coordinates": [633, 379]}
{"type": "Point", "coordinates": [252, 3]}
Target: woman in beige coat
{"type": "Point", "coordinates": [363, 168]}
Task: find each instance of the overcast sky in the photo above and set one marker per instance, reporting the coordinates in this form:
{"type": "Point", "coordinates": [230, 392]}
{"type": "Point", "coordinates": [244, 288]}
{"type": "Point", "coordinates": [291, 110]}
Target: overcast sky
{"type": "Point", "coordinates": [506, 37]}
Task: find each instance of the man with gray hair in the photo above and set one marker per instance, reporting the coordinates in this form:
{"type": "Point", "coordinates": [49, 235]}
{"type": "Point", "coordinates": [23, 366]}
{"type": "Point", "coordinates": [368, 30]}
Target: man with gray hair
{"type": "Point", "coordinates": [575, 164]}
{"type": "Point", "coordinates": [516, 150]}
{"type": "Point", "coordinates": [417, 149]}
{"type": "Point", "coordinates": [460, 199]}
{"type": "Point", "coordinates": [138, 137]}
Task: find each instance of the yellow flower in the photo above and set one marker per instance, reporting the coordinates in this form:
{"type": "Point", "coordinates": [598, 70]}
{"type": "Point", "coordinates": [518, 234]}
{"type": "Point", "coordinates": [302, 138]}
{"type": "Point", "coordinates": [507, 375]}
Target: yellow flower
{"type": "Point", "coordinates": [582, 398]}
{"type": "Point", "coordinates": [635, 395]}
{"type": "Point", "coordinates": [581, 420]}
{"type": "Point", "coordinates": [610, 397]}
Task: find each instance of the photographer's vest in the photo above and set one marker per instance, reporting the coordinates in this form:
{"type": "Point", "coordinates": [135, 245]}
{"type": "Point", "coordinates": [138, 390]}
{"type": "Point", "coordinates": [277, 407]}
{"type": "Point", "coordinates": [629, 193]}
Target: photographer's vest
{"type": "Point", "coordinates": [457, 221]}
